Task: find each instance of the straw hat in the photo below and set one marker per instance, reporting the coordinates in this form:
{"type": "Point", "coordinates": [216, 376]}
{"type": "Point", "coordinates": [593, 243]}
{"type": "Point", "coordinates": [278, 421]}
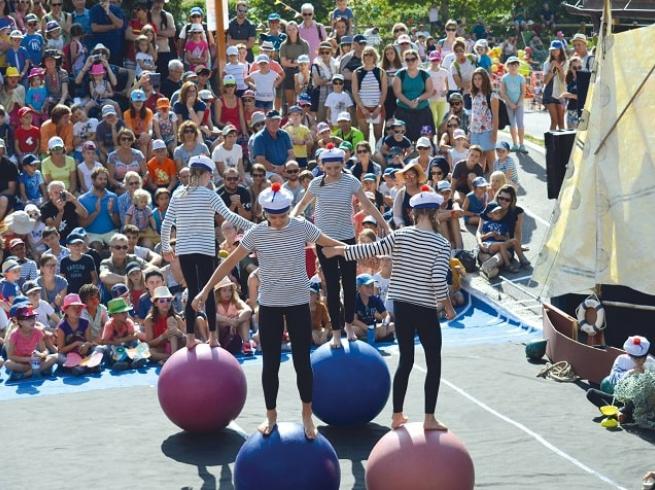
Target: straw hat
{"type": "Point", "coordinates": [225, 282]}
{"type": "Point", "coordinates": [413, 166]}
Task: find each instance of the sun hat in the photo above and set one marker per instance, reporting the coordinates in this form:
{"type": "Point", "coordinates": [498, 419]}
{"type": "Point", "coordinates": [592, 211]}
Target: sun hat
{"type": "Point", "coordinates": [229, 80]}
{"type": "Point", "coordinates": [52, 25]}
{"type": "Point", "coordinates": [267, 46]}
{"type": "Point", "coordinates": [117, 305]}
{"type": "Point", "coordinates": [232, 51]}
{"type": "Point", "coordinates": [459, 134]}
{"type": "Point", "coordinates": [206, 95]}
{"type": "Point", "coordinates": [9, 265]}
{"type": "Point", "coordinates": [556, 44]}
{"type": "Point", "coordinates": [138, 95]}
{"type": "Point", "coordinates": [30, 286]}
{"type": "Point", "coordinates": [443, 185]}
{"type": "Point", "coordinates": [223, 283]}
{"type": "Point", "coordinates": [71, 299]}
{"type": "Point", "coordinates": [20, 223]}
{"type": "Point", "coordinates": [158, 145]}
{"type": "Point", "coordinates": [97, 69]}
{"type": "Point", "coordinates": [36, 72]}
{"type": "Point", "coordinates": [161, 292]}
{"type": "Point", "coordinates": [16, 34]}
{"type": "Point", "coordinates": [423, 142]}
{"type": "Point", "coordinates": [416, 166]}
{"type": "Point", "coordinates": [426, 199]}
{"type": "Point", "coordinates": [262, 58]}
{"type": "Point", "coordinates": [32, 208]}
{"type": "Point", "coordinates": [108, 110]}
{"type": "Point", "coordinates": [636, 346]}
{"type": "Point", "coordinates": [578, 36]}
{"type": "Point", "coordinates": [365, 280]}
{"type": "Point", "coordinates": [257, 117]}
{"type": "Point", "coordinates": [275, 200]}
{"type": "Point", "coordinates": [202, 161]}
{"type": "Point", "coordinates": [403, 39]}
{"type": "Point", "coordinates": [12, 71]}
{"type": "Point", "coordinates": [25, 311]}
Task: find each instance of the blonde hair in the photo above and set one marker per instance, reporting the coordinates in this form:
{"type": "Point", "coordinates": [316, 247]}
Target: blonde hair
{"type": "Point", "coordinates": [371, 50]}
{"type": "Point", "coordinates": [140, 194]}
{"type": "Point", "coordinates": [235, 295]}
{"type": "Point", "coordinates": [498, 176]}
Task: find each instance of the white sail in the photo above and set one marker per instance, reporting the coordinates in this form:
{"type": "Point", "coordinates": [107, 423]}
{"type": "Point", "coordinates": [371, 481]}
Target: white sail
{"type": "Point", "coordinates": [602, 229]}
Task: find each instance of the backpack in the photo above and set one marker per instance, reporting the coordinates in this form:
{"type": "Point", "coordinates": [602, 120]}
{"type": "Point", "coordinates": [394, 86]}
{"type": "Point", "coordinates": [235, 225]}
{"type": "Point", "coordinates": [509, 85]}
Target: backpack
{"type": "Point", "coordinates": [467, 258]}
{"type": "Point", "coordinates": [361, 73]}
{"type": "Point", "coordinates": [472, 58]}
{"type": "Point", "coordinates": [319, 29]}
{"type": "Point", "coordinates": [503, 118]}
{"type": "Point", "coordinates": [403, 73]}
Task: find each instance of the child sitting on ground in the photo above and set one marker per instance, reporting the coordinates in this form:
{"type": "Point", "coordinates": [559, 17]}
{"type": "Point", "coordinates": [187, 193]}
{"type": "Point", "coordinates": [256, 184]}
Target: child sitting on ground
{"type": "Point", "coordinates": [45, 313]}
{"type": "Point", "coordinates": [321, 326]}
{"type": "Point", "coordinates": [370, 310]}
{"type": "Point", "coordinates": [164, 329]}
{"type": "Point", "coordinates": [232, 316]}
{"type": "Point", "coordinates": [31, 183]}
{"type": "Point", "coordinates": [95, 313]}
{"type": "Point", "coordinates": [493, 237]}
{"type": "Point", "coordinates": [505, 164]}
{"type": "Point", "coordinates": [475, 201]}
{"type": "Point", "coordinates": [73, 333]}
{"type": "Point", "coordinates": [9, 287]}
{"type": "Point", "coordinates": [497, 179]}
{"type": "Point", "coordinates": [119, 335]}
{"type": "Point", "coordinates": [27, 354]}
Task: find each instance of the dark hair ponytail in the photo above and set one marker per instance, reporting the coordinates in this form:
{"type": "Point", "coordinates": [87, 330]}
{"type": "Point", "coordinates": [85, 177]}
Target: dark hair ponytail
{"type": "Point", "coordinates": [430, 213]}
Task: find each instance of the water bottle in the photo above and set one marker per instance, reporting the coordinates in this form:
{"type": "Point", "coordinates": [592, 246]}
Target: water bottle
{"type": "Point", "coordinates": [370, 334]}
{"type": "Point", "coordinates": [36, 363]}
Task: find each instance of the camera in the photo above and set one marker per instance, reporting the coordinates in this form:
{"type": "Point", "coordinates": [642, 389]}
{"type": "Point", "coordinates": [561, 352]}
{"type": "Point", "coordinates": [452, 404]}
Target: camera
{"type": "Point", "coordinates": [63, 195]}
{"type": "Point", "coordinates": [96, 58]}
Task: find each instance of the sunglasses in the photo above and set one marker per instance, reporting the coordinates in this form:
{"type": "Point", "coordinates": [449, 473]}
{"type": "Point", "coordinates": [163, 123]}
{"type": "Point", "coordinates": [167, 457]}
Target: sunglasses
{"type": "Point", "coordinates": [242, 11]}
{"type": "Point", "coordinates": [189, 131]}
{"type": "Point", "coordinates": [337, 82]}
{"type": "Point", "coordinates": [451, 29]}
{"type": "Point", "coordinates": [307, 14]}
{"type": "Point", "coordinates": [57, 148]}
{"type": "Point", "coordinates": [194, 16]}
{"type": "Point", "coordinates": [258, 175]}
{"type": "Point", "coordinates": [164, 300]}
{"type": "Point", "coordinates": [58, 4]}
{"type": "Point", "coordinates": [452, 126]}
{"type": "Point", "coordinates": [361, 151]}
{"type": "Point", "coordinates": [120, 247]}
{"type": "Point", "coordinates": [410, 60]}
{"type": "Point", "coordinates": [505, 199]}
{"type": "Point", "coordinates": [400, 131]}
{"type": "Point", "coordinates": [134, 182]}
{"type": "Point", "coordinates": [293, 171]}
{"type": "Point", "coordinates": [576, 68]}
{"type": "Point", "coordinates": [399, 30]}
{"type": "Point", "coordinates": [231, 179]}
{"type": "Point", "coordinates": [129, 140]}
{"type": "Point", "coordinates": [456, 103]}
{"type": "Point", "coordinates": [437, 173]}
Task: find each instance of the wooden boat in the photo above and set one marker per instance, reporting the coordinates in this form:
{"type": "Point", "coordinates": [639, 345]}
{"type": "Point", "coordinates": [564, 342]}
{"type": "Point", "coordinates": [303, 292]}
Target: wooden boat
{"type": "Point", "coordinates": [590, 362]}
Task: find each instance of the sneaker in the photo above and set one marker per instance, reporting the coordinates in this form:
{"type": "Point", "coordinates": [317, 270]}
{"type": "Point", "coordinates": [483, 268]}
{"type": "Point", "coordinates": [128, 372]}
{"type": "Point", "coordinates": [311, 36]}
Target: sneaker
{"type": "Point", "coordinates": [120, 366]}
{"type": "Point", "coordinates": [246, 348]}
{"type": "Point", "coordinates": [525, 264]}
{"type": "Point", "coordinates": [514, 148]}
{"type": "Point", "coordinates": [140, 363]}
{"type": "Point", "coordinates": [78, 370]}
{"type": "Point", "coordinates": [523, 149]}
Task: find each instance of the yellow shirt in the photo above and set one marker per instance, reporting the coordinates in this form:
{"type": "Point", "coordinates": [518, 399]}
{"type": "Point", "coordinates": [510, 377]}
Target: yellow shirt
{"type": "Point", "coordinates": [298, 133]}
{"type": "Point", "coordinates": [58, 173]}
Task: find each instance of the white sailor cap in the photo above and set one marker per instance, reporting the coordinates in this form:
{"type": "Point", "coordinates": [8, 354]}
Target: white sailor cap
{"type": "Point", "coordinates": [426, 198]}
{"type": "Point", "coordinates": [637, 346]}
{"type": "Point", "coordinates": [332, 154]}
{"type": "Point", "coordinates": [202, 161]}
{"type": "Point", "coordinates": [275, 200]}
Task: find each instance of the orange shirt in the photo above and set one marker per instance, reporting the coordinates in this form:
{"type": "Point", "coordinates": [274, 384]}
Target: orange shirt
{"type": "Point", "coordinates": [49, 129]}
{"type": "Point", "coordinates": [161, 173]}
{"type": "Point", "coordinates": [138, 125]}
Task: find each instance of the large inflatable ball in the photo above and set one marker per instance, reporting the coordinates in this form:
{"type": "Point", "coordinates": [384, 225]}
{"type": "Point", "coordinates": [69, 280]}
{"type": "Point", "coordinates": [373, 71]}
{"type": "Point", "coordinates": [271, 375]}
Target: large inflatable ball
{"type": "Point", "coordinates": [203, 389]}
{"type": "Point", "coordinates": [351, 385]}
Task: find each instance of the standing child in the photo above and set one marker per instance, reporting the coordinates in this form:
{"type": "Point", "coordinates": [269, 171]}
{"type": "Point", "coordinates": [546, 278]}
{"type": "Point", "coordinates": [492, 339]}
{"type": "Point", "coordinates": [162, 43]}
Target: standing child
{"type": "Point", "coordinates": [300, 134]}
{"type": "Point", "coordinates": [77, 50]}
{"type": "Point", "coordinates": [337, 101]}
{"type": "Point", "coordinates": [36, 95]}
{"type": "Point", "coordinates": [27, 354]}
{"type": "Point", "coordinates": [31, 183]}
{"type": "Point", "coordinates": [264, 82]}
{"type": "Point", "coordinates": [73, 333]}
{"type": "Point", "coordinates": [28, 136]}
{"type": "Point", "coordinates": [140, 215]}
{"type": "Point", "coordinates": [505, 164]}
{"type": "Point", "coordinates": [162, 171]}
{"type": "Point", "coordinates": [301, 79]}
{"type": "Point", "coordinates": [164, 124]}
{"type": "Point", "coordinates": [145, 55]}
{"type": "Point", "coordinates": [101, 89]}
{"type": "Point", "coordinates": [237, 69]}
{"type": "Point", "coordinates": [512, 91]}
{"type": "Point", "coordinates": [196, 49]}
{"type": "Point", "coordinates": [164, 329]}
{"type": "Point", "coordinates": [33, 40]}
{"type": "Point", "coordinates": [78, 268]}
{"type": "Point", "coordinates": [119, 335]}
{"type": "Point", "coordinates": [439, 75]}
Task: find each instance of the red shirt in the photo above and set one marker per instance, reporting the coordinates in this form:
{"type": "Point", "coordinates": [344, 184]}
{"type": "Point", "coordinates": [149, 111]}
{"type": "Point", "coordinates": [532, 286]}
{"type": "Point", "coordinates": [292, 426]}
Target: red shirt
{"type": "Point", "coordinates": [28, 139]}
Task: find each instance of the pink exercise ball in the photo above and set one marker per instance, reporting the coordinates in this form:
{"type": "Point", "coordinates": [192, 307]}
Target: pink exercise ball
{"type": "Point", "coordinates": [411, 458]}
{"type": "Point", "coordinates": [203, 389]}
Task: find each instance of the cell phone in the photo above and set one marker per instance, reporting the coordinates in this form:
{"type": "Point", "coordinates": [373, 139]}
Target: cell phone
{"type": "Point", "coordinates": [62, 195]}
{"type": "Point", "coordinates": [155, 79]}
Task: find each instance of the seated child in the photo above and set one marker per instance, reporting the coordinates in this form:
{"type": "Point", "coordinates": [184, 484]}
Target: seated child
{"type": "Point", "coordinates": [370, 310]}
{"type": "Point", "coordinates": [31, 184]}
{"type": "Point", "coordinates": [232, 316]}
{"type": "Point", "coordinates": [9, 287]}
{"type": "Point", "coordinates": [475, 201]}
{"type": "Point", "coordinates": [164, 329]}
{"type": "Point", "coordinates": [493, 237]}
{"type": "Point", "coordinates": [505, 164]}
{"type": "Point", "coordinates": [119, 334]}
{"type": "Point", "coordinates": [27, 354]}
{"type": "Point", "coordinates": [73, 333]}
{"type": "Point", "coordinates": [321, 326]}
{"type": "Point", "coordinates": [45, 313]}
{"type": "Point", "coordinates": [94, 312]}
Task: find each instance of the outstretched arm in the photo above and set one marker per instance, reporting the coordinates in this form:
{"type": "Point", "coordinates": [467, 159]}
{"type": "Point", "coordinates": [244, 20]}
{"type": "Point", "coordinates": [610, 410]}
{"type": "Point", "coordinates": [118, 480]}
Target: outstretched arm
{"type": "Point", "coordinates": [221, 271]}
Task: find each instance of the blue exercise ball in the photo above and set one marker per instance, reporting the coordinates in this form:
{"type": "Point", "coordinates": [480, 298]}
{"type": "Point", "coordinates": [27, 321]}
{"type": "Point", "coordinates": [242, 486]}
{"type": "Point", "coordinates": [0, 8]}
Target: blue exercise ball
{"type": "Point", "coordinates": [287, 460]}
{"type": "Point", "coordinates": [351, 385]}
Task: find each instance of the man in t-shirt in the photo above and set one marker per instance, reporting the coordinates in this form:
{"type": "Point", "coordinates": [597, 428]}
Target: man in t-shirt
{"type": "Point", "coordinates": [272, 146]}
{"type": "Point", "coordinates": [235, 196]}
{"type": "Point", "coordinates": [292, 172]}
{"type": "Point", "coordinates": [114, 268]}
{"type": "Point", "coordinates": [102, 207]}
{"type": "Point", "coordinates": [241, 30]}
{"type": "Point", "coordinates": [464, 172]}
{"type": "Point", "coordinates": [346, 130]}
{"type": "Point", "coordinates": [8, 183]}
{"type": "Point", "coordinates": [351, 61]}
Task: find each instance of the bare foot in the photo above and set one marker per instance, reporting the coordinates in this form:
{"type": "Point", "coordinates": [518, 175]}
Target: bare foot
{"type": "Point", "coordinates": [431, 423]}
{"type": "Point", "coordinates": [213, 340]}
{"type": "Point", "coordinates": [269, 424]}
{"type": "Point", "coordinates": [310, 428]}
{"type": "Point", "coordinates": [398, 420]}
{"type": "Point", "coordinates": [192, 342]}
{"type": "Point", "coordinates": [335, 343]}
{"type": "Point", "coordinates": [350, 333]}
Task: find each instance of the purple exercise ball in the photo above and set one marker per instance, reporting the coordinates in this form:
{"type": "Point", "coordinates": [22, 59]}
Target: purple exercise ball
{"type": "Point", "coordinates": [202, 389]}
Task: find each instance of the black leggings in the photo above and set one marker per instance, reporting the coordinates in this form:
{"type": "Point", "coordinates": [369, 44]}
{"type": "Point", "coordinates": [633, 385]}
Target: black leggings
{"type": "Point", "coordinates": [197, 269]}
{"type": "Point", "coordinates": [339, 269]}
{"type": "Point", "coordinates": [271, 327]}
{"type": "Point", "coordinates": [409, 319]}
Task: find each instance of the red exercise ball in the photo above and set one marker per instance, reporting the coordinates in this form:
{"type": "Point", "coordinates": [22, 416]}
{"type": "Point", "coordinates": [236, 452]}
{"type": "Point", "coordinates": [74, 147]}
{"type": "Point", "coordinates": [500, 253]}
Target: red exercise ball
{"type": "Point", "coordinates": [203, 389]}
{"type": "Point", "coordinates": [411, 458]}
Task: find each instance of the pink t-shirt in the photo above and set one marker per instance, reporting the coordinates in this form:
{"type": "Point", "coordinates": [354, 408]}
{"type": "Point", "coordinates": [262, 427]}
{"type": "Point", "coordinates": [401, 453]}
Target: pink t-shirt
{"type": "Point", "coordinates": [196, 50]}
{"type": "Point", "coordinates": [112, 330]}
{"type": "Point", "coordinates": [24, 346]}
{"type": "Point", "coordinates": [311, 36]}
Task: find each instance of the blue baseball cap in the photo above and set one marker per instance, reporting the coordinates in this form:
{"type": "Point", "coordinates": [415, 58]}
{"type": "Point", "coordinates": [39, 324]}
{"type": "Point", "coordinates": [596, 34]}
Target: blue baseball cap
{"type": "Point", "coordinates": [502, 145]}
{"type": "Point", "coordinates": [390, 171]}
{"type": "Point", "coordinates": [346, 40]}
{"type": "Point", "coordinates": [196, 11]}
{"type": "Point", "coordinates": [556, 44]}
{"type": "Point", "coordinates": [273, 16]}
{"type": "Point", "coordinates": [138, 95]}
{"type": "Point", "coordinates": [365, 280]}
{"type": "Point", "coordinates": [118, 290]}
{"type": "Point", "coordinates": [360, 39]}
{"type": "Point", "coordinates": [79, 231]}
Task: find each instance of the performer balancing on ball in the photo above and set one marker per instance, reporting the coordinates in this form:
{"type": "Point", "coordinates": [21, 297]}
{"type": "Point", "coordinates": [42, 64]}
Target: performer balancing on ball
{"type": "Point", "coordinates": [191, 210]}
{"type": "Point", "coordinates": [420, 257]}
{"type": "Point", "coordinates": [334, 193]}
{"type": "Point", "coordinates": [283, 295]}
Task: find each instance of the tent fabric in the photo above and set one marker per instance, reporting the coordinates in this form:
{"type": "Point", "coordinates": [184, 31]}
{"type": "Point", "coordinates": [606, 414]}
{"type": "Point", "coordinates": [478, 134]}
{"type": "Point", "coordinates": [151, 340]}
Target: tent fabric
{"type": "Point", "coordinates": [602, 230]}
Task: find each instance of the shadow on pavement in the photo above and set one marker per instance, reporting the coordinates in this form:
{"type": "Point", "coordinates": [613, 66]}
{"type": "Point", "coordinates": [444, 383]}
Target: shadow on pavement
{"type": "Point", "coordinates": [203, 450]}
{"type": "Point", "coordinates": [530, 166]}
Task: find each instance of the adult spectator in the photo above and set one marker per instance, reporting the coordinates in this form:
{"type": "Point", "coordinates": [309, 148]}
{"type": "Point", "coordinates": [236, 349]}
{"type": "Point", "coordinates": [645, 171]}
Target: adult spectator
{"type": "Point", "coordinates": [259, 183]}
{"type": "Point", "coordinates": [241, 30]}
{"type": "Point", "coordinates": [347, 132]}
{"type": "Point", "coordinates": [138, 118]}
{"type": "Point", "coordinates": [447, 43]}
{"type": "Point", "coordinates": [133, 31]}
{"type": "Point", "coordinates": [113, 269]}
{"type": "Point", "coordinates": [292, 184]}
{"type": "Point", "coordinates": [59, 166]}
{"type": "Point", "coordinates": [124, 159]}
{"type": "Point", "coordinates": [293, 47]}
{"type": "Point", "coordinates": [412, 177]}
{"type": "Point", "coordinates": [391, 63]}
{"type": "Point", "coordinates": [272, 147]}
{"type": "Point", "coordinates": [53, 286]}
{"type": "Point", "coordinates": [323, 68]}
{"type": "Point", "coordinates": [310, 30]}
{"type": "Point", "coordinates": [57, 14]}
{"type": "Point", "coordinates": [555, 84]}
{"type": "Point", "coordinates": [364, 163]}
{"type": "Point", "coordinates": [8, 183]}
{"type": "Point", "coordinates": [484, 117]}
{"type": "Point", "coordinates": [62, 210]}
{"type": "Point", "coordinates": [508, 47]}
{"type": "Point", "coordinates": [108, 25]}
{"type": "Point", "coordinates": [353, 60]}
{"type": "Point", "coordinates": [191, 145]}
{"type": "Point", "coordinates": [579, 42]}
{"type": "Point", "coordinates": [456, 102]}
{"type": "Point", "coordinates": [228, 108]}
{"type": "Point", "coordinates": [81, 15]}
{"type": "Point", "coordinates": [173, 81]}
{"type": "Point", "coordinates": [190, 107]}
{"type": "Point", "coordinates": [413, 89]}
{"type": "Point", "coordinates": [132, 234]}
{"type": "Point", "coordinates": [547, 17]}
{"type": "Point", "coordinates": [235, 196]}
{"type": "Point", "coordinates": [133, 182]}
{"type": "Point", "coordinates": [369, 89]}
{"type": "Point", "coordinates": [101, 205]}
{"type": "Point", "coordinates": [165, 28]}
{"type": "Point", "coordinates": [59, 125]}
{"type": "Point", "coordinates": [107, 131]}
{"type": "Point", "coordinates": [21, 10]}
{"type": "Point", "coordinates": [12, 94]}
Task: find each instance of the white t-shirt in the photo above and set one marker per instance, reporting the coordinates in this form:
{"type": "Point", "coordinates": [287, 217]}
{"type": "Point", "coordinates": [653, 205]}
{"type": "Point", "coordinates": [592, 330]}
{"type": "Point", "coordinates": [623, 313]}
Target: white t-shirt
{"type": "Point", "coordinates": [44, 311]}
{"type": "Point", "coordinates": [145, 58]}
{"type": "Point", "coordinates": [86, 173]}
{"type": "Point", "coordinates": [83, 129]}
{"type": "Point", "coordinates": [264, 85]}
{"type": "Point", "coordinates": [439, 79]}
{"type": "Point", "coordinates": [445, 63]}
{"type": "Point", "coordinates": [337, 102]}
{"type": "Point", "coordinates": [230, 159]}
{"type": "Point", "coordinates": [456, 156]}
{"type": "Point", "coordinates": [466, 70]}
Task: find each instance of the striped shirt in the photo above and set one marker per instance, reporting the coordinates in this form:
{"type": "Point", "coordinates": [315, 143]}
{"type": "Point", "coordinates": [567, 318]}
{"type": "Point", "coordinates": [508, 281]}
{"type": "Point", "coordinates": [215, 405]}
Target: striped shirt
{"type": "Point", "coordinates": [420, 262]}
{"type": "Point", "coordinates": [192, 211]}
{"type": "Point", "coordinates": [334, 205]}
{"type": "Point", "coordinates": [281, 255]}
{"type": "Point", "coordinates": [369, 89]}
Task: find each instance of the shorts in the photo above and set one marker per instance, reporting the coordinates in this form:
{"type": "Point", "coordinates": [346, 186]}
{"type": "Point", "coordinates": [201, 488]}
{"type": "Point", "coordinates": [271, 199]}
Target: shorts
{"type": "Point", "coordinates": [362, 116]}
{"type": "Point", "coordinates": [484, 140]}
{"type": "Point", "coordinates": [289, 82]}
{"type": "Point", "coordinates": [515, 116]}
{"type": "Point", "coordinates": [267, 105]}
